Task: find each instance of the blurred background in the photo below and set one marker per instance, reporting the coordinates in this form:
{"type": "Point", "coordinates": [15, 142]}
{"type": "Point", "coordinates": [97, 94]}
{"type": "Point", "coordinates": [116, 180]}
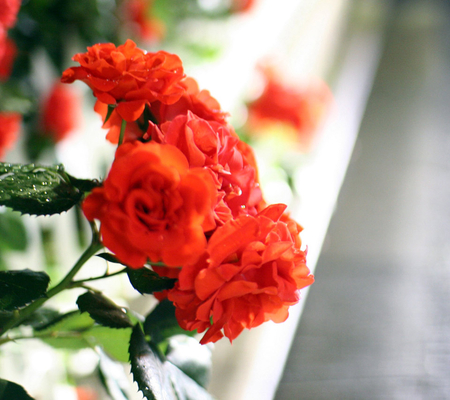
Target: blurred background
{"type": "Point", "coordinates": [330, 93]}
{"type": "Point", "coordinates": [376, 324]}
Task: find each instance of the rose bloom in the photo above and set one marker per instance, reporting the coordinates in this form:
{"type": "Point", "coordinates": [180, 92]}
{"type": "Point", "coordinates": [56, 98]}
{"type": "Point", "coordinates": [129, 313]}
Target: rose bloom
{"type": "Point", "coordinates": [302, 109]}
{"type": "Point", "coordinates": [152, 206]}
{"type": "Point", "coordinates": [8, 51]}
{"type": "Point", "coordinates": [216, 146]}
{"type": "Point", "coordinates": [61, 112]}
{"type": "Point", "coordinates": [250, 273]}
{"type": "Point", "coordinates": [9, 10]}
{"type": "Point", "coordinates": [9, 130]}
{"type": "Point", "coordinates": [200, 102]}
{"type": "Point", "coordinates": [128, 77]}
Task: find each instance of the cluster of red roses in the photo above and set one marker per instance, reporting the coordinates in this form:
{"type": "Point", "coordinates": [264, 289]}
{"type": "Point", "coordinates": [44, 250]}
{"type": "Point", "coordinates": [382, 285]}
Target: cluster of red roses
{"type": "Point", "coordinates": [183, 191]}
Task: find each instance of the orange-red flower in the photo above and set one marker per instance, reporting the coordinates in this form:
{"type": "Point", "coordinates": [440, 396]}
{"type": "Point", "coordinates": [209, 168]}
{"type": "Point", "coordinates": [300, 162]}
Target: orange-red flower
{"type": "Point", "coordinates": [152, 206]}
{"type": "Point", "coordinates": [8, 14]}
{"type": "Point", "coordinates": [216, 146]}
{"type": "Point", "coordinates": [303, 109]}
{"type": "Point", "coordinates": [200, 102]}
{"type": "Point", "coordinates": [251, 273]}
{"type": "Point", "coordinates": [128, 77]}
{"type": "Point", "coordinates": [61, 112]}
{"type": "Point", "coordinates": [9, 130]}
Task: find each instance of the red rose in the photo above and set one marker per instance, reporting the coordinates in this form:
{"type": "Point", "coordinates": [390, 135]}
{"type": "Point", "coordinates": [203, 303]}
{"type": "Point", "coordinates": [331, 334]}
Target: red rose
{"type": "Point", "coordinates": [8, 51]}
{"type": "Point", "coordinates": [200, 102]}
{"type": "Point", "coordinates": [9, 10]}
{"type": "Point", "coordinates": [152, 206]}
{"type": "Point", "coordinates": [128, 77]}
{"type": "Point", "coordinates": [216, 146]}
{"type": "Point", "coordinates": [61, 112]}
{"type": "Point", "coordinates": [302, 109]}
{"type": "Point", "coordinates": [9, 129]}
{"type": "Point", "coordinates": [251, 273]}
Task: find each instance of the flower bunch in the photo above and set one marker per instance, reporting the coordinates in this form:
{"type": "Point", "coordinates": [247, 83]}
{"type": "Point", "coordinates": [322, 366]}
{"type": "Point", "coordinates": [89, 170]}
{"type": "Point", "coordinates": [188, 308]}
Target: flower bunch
{"type": "Point", "coordinates": [183, 196]}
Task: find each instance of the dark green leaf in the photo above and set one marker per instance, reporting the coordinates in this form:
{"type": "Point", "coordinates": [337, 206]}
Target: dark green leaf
{"type": "Point", "coordinates": [84, 185]}
{"type": "Point", "coordinates": [37, 190]}
{"type": "Point", "coordinates": [112, 376]}
{"type": "Point", "coordinates": [103, 310]}
{"type": "Point", "coordinates": [191, 357]}
{"type": "Point", "coordinates": [109, 257]}
{"type": "Point", "coordinates": [12, 391]}
{"type": "Point", "coordinates": [147, 281]}
{"type": "Point", "coordinates": [147, 368]}
{"type": "Point", "coordinates": [13, 234]}
{"type": "Point", "coordinates": [161, 323]}
{"type": "Point", "coordinates": [19, 288]}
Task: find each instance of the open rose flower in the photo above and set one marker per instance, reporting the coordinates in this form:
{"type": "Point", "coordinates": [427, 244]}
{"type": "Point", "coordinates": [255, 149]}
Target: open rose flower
{"type": "Point", "coordinates": [216, 146]}
{"type": "Point", "coordinates": [9, 130]}
{"type": "Point", "coordinates": [251, 273]}
{"type": "Point", "coordinates": [128, 77]}
{"type": "Point", "coordinates": [152, 206]}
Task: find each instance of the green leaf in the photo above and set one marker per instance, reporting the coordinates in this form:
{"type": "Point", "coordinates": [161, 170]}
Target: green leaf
{"type": "Point", "coordinates": [13, 234]}
{"type": "Point", "coordinates": [191, 357]}
{"type": "Point", "coordinates": [157, 379]}
{"type": "Point", "coordinates": [66, 331]}
{"type": "Point", "coordinates": [71, 321]}
{"type": "Point", "coordinates": [147, 368]}
{"type": "Point", "coordinates": [112, 376]}
{"type": "Point", "coordinates": [37, 190]}
{"type": "Point", "coordinates": [113, 341]}
{"type": "Point", "coordinates": [19, 288]}
{"type": "Point", "coordinates": [10, 390]}
{"type": "Point", "coordinates": [147, 281]}
{"type": "Point", "coordinates": [161, 323]}
{"type": "Point", "coordinates": [185, 387]}
{"type": "Point", "coordinates": [109, 257]}
{"type": "Point", "coordinates": [103, 310]}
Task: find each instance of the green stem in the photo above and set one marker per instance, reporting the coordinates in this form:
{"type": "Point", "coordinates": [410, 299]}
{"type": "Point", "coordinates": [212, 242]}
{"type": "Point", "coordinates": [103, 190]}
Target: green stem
{"type": "Point", "coordinates": [54, 335]}
{"type": "Point", "coordinates": [122, 131]}
{"type": "Point", "coordinates": [64, 284]}
{"type": "Point", "coordinates": [96, 278]}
